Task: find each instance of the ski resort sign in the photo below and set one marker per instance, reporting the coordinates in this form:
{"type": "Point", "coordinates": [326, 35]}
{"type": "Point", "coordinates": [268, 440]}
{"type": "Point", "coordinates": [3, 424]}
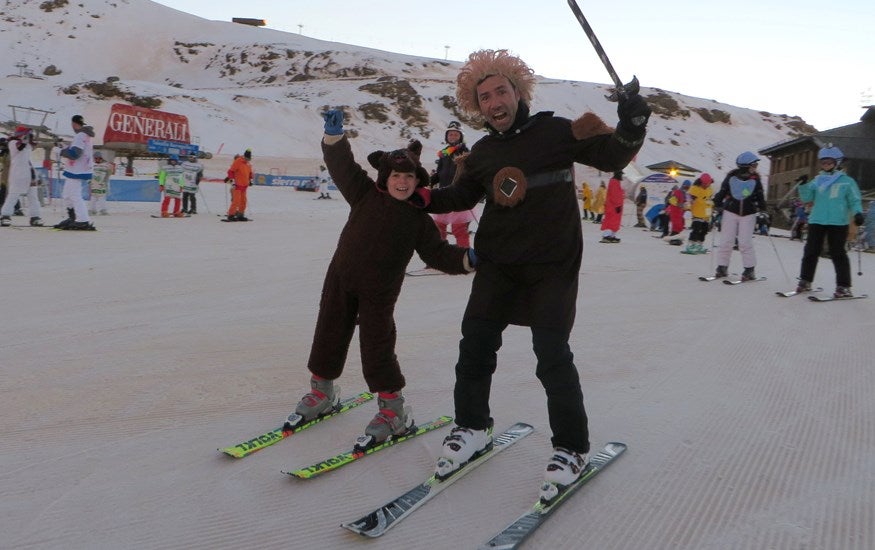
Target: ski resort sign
{"type": "Point", "coordinates": [133, 127]}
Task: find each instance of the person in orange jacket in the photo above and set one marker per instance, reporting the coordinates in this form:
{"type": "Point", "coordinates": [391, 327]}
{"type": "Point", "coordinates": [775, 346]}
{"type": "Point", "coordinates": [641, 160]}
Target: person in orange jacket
{"type": "Point", "coordinates": [240, 174]}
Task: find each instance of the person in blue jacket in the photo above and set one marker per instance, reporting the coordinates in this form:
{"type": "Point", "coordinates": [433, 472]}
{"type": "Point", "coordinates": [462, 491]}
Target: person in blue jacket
{"type": "Point", "coordinates": [835, 196]}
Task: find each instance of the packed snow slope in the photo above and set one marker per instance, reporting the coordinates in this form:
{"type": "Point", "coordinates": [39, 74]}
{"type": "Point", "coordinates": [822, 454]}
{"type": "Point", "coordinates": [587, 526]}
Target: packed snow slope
{"type": "Point", "coordinates": [130, 354]}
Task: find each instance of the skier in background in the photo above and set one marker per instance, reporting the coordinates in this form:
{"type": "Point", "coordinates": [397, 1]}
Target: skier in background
{"type": "Point", "coordinates": [613, 209]}
{"type": "Point", "coordinates": [598, 203]}
{"type": "Point", "coordinates": [386, 225]}
{"type": "Point", "coordinates": [530, 246]}
{"type": "Point", "coordinates": [192, 172]}
{"type": "Point", "coordinates": [78, 170]}
{"type": "Point", "coordinates": [836, 198]}
{"type": "Point", "coordinates": [240, 175]}
{"type": "Point", "coordinates": [443, 176]}
{"type": "Point", "coordinates": [171, 180]}
{"type": "Point", "coordinates": [100, 174]}
{"type": "Point", "coordinates": [700, 210]}
{"type": "Point", "coordinates": [640, 205]}
{"type": "Point", "coordinates": [324, 178]}
{"type": "Point", "coordinates": [677, 205]}
{"type": "Point", "coordinates": [738, 202]}
{"type": "Point", "coordinates": [586, 194]}
{"type": "Point", "coordinates": [21, 178]}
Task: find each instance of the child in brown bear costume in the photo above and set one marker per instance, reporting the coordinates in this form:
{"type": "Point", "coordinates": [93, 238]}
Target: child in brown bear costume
{"type": "Point", "coordinates": [386, 224]}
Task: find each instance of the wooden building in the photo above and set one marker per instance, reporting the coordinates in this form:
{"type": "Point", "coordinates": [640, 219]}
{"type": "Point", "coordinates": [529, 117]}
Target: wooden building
{"type": "Point", "coordinates": [798, 157]}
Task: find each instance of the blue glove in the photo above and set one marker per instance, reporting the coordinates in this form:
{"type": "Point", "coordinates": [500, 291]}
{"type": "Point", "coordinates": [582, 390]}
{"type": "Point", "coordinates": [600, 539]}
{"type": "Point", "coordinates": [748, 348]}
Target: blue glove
{"type": "Point", "coordinates": [472, 257]}
{"type": "Point", "coordinates": [333, 122]}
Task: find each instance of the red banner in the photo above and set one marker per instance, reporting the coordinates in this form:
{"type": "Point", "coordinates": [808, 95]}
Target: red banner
{"type": "Point", "coordinates": [129, 124]}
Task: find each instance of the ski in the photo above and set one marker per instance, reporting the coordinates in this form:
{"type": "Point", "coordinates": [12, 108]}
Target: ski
{"type": "Point", "coordinates": [248, 447]}
{"type": "Point", "coordinates": [227, 220]}
{"type": "Point", "coordinates": [834, 299]}
{"type": "Point", "coordinates": [516, 533]}
{"type": "Point", "coordinates": [795, 292]}
{"type": "Point", "coordinates": [333, 463]}
{"type": "Point", "coordinates": [390, 514]}
{"type": "Point", "coordinates": [169, 217]}
{"type": "Point", "coordinates": [712, 278]}
{"type": "Point", "coordinates": [739, 281]}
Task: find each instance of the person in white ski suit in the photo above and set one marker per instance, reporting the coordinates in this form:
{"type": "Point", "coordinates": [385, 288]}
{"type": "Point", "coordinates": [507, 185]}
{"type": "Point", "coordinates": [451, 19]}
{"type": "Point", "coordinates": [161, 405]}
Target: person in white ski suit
{"type": "Point", "coordinates": [21, 178]}
{"type": "Point", "coordinates": [78, 170]}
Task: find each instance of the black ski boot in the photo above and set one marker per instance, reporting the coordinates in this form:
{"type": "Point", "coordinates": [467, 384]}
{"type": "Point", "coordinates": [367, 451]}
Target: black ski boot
{"type": "Point", "coordinates": [71, 217]}
{"type": "Point", "coordinates": [722, 271]}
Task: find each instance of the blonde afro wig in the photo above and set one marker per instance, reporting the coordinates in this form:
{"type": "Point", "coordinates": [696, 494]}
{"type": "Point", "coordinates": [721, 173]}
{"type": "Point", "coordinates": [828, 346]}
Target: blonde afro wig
{"type": "Point", "coordinates": [485, 63]}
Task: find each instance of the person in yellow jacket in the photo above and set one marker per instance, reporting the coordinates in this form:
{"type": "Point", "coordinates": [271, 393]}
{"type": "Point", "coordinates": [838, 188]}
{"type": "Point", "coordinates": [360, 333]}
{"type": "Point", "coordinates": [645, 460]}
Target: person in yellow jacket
{"type": "Point", "coordinates": [598, 204]}
{"type": "Point", "coordinates": [586, 195]}
{"type": "Point", "coordinates": [700, 209]}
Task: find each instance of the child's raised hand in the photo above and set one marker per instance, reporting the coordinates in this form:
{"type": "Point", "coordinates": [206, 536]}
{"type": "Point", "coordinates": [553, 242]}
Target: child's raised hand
{"type": "Point", "coordinates": [333, 122]}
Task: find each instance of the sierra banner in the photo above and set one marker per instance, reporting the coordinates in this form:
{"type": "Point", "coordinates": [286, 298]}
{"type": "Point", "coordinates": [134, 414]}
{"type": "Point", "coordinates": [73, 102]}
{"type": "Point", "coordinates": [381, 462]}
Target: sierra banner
{"type": "Point", "coordinates": [130, 125]}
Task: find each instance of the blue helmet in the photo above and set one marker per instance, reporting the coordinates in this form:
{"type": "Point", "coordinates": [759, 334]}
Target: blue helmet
{"type": "Point", "coordinates": [830, 153]}
{"type": "Point", "coordinates": [746, 159]}
{"type": "Point", "coordinates": [174, 157]}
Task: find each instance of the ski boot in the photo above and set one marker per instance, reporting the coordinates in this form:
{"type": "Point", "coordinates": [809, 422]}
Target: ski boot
{"type": "Point", "coordinates": [843, 292]}
{"type": "Point", "coordinates": [81, 226]}
{"type": "Point", "coordinates": [5, 221]}
{"type": "Point", "coordinates": [722, 271]}
{"type": "Point", "coordinates": [749, 274]}
{"type": "Point", "coordinates": [71, 217]}
{"type": "Point", "coordinates": [461, 447]}
{"type": "Point", "coordinates": [803, 286]}
{"type": "Point", "coordinates": [393, 419]}
{"type": "Point", "coordinates": [563, 469]}
{"type": "Point", "coordinates": [322, 399]}
{"type": "Point", "coordinates": [36, 222]}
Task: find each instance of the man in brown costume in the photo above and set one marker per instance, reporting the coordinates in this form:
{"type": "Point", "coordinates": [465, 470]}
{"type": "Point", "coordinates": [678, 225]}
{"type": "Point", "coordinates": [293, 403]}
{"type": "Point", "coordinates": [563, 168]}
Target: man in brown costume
{"type": "Point", "coordinates": [386, 224]}
{"type": "Point", "coordinates": [529, 245]}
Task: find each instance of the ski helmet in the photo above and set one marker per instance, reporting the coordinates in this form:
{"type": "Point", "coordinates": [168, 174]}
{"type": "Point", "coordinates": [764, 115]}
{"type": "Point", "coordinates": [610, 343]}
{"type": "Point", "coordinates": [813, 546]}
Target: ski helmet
{"type": "Point", "coordinates": [746, 159]}
{"type": "Point", "coordinates": [454, 126]}
{"type": "Point", "coordinates": [98, 155]}
{"type": "Point", "coordinates": [706, 179]}
{"type": "Point", "coordinates": [830, 153]}
{"type": "Point", "coordinates": [174, 158]}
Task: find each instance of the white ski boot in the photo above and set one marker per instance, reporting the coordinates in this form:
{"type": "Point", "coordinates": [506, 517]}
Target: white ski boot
{"type": "Point", "coordinates": [563, 469]}
{"type": "Point", "coordinates": [461, 447]}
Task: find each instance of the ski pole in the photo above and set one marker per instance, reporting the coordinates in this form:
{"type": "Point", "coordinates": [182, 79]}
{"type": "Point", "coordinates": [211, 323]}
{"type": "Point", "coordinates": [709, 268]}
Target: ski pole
{"type": "Point", "coordinates": [620, 89]}
{"type": "Point", "coordinates": [204, 199]}
{"type": "Point", "coordinates": [781, 263]}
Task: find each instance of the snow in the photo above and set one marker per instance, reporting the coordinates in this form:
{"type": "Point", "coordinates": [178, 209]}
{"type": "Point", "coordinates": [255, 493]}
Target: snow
{"type": "Point", "coordinates": [129, 355]}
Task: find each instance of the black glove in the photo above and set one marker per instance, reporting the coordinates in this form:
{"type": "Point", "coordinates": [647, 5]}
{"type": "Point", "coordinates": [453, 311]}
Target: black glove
{"type": "Point", "coordinates": [227, 180]}
{"type": "Point", "coordinates": [619, 210]}
{"type": "Point", "coordinates": [859, 219]}
{"type": "Point", "coordinates": [633, 112]}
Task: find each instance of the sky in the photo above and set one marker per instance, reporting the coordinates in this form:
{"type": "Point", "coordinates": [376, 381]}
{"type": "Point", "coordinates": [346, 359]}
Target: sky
{"type": "Point", "coordinates": [793, 58]}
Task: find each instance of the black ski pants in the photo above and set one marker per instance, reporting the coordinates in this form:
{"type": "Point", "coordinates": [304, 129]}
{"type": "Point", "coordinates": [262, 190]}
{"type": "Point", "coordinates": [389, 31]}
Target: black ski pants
{"type": "Point", "coordinates": [481, 339]}
{"type": "Point", "coordinates": [189, 202]}
{"type": "Point", "coordinates": [837, 237]}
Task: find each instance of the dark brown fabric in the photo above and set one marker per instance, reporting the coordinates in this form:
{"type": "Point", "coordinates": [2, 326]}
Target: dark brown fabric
{"type": "Point", "coordinates": [365, 275]}
{"type": "Point", "coordinates": [543, 230]}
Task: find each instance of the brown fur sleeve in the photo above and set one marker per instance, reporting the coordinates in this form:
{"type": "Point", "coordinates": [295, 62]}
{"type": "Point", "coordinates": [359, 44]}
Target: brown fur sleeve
{"type": "Point", "coordinates": [589, 125]}
{"type": "Point", "coordinates": [459, 161]}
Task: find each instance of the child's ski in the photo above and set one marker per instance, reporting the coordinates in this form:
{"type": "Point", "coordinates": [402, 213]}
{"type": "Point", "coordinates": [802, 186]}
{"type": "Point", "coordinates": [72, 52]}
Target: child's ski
{"type": "Point", "coordinates": [739, 281]}
{"type": "Point", "coordinates": [266, 440]}
{"type": "Point", "coordinates": [342, 459]}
